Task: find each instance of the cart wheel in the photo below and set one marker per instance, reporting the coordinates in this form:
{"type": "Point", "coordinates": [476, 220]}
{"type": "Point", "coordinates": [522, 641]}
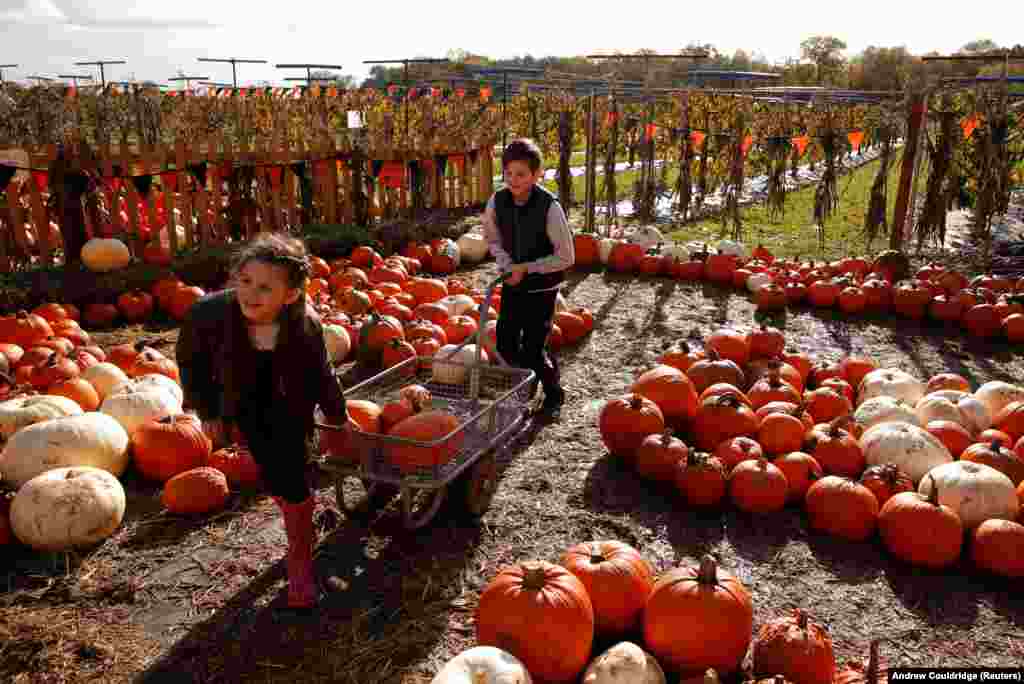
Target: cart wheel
{"type": "Point", "coordinates": [419, 506]}
{"type": "Point", "coordinates": [474, 489]}
{"type": "Point", "coordinates": [377, 495]}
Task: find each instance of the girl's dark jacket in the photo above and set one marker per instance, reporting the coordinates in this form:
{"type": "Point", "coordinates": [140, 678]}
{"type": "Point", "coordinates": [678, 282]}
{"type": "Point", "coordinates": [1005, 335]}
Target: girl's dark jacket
{"type": "Point", "coordinates": [216, 361]}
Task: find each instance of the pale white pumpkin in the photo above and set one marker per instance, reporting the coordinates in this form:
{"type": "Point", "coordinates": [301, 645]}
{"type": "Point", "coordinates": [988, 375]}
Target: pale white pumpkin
{"type": "Point", "coordinates": [339, 344]}
{"type": "Point", "coordinates": [105, 377]}
{"type": "Point", "coordinates": [734, 248]}
{"type": "Point", "coordinates": [457, 304]}
{"type": "Point", "coordinates": [450, 366]}
{"type": "Point", "coordinates": [16, 414]}
{"type": "Point", "coordinates": [472, 247]}
{"type": "Point", "coordinates": [105, 254]}
{"type": "Point", "coordinates": [909, 447]}
{"type": "Point", "coordinates": [483, 665]}
{"type": "Point", "coordinates": [647, 237]}
{"type": "Point", "coordinates": [67, 508]}
{"type": "Point", "coordinates": [132, 406]}
{"type": "Point", "coordinates": [756, 281]}
{"type": "Point", "coordinates": [884, 410]}
{"type": "Point", "coordinates": [977, 492]}
{"type": "Point", "coordinates": [161, 381]}
{"type": "Point", "coordinates": [996, 395]}
{"type": "Point", "coordinates": [604, 249]}
{"type": "Point", "coordinates": [890, 382]}
{"type": "Point", "coordinates": [90, 439]}
{"type": "Point", "coordinates": [675, 250]}
{"type": "Point", "coordinates": [624, 663]}
{"type": "Point", "coordinates": [966, 411]}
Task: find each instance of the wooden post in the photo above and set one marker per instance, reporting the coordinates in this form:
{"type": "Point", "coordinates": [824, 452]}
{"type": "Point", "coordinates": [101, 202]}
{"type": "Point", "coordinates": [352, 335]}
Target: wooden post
{"type": "Point", "coordinates": [169, 195]}
{"type": "Point", "coordinates": [184, 203]}
{"type": "Point", "coordinates": [590, 183]}
{"type": "Point", "coordinates": [918, 109]}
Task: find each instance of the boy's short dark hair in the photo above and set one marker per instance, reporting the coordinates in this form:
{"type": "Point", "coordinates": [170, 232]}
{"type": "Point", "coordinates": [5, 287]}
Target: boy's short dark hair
{"type": "Point", "coordinates": [525, 150]}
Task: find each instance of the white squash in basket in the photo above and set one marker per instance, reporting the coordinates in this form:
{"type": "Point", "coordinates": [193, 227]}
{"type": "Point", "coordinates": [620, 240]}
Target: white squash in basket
{"type": "Point", "coordinates": [450, 366]}
{"type": "Point", "coordinates": [624, 663]}
{"type": "Point", "coordinates": [890, 382]}
{"type": "Point", "coordinates": [67, 508]}
{"type": "Point", "coordinates": [472, 247]}
{"type": "Point", "coordinates": [90, 439]}
{"type": "Point", "coordinates": [977, 492]}
{"type": "Point", "coordinates": [483, 665]}
{"type": "Point", "coordinates": [19, 413]}
{"type": "Point", "coordinates": [909, 447]}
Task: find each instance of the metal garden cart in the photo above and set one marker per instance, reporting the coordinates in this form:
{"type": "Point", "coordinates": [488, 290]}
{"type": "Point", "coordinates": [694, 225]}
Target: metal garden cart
{"type": "Point", "coordinates": [490, 402]}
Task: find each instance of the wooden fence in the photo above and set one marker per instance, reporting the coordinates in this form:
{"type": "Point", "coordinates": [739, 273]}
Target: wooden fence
{"type": "Point", "coordinates": [207, 192]}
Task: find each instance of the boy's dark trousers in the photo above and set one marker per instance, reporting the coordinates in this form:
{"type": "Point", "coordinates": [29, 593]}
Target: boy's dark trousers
{"type": "Point", "coordinates": [524, 324]}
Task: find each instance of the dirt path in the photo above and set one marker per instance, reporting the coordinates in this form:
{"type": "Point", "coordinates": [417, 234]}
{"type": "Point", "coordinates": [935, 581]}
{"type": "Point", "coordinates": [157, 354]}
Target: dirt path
{"type": "Point", "coordinates": [190, 600]}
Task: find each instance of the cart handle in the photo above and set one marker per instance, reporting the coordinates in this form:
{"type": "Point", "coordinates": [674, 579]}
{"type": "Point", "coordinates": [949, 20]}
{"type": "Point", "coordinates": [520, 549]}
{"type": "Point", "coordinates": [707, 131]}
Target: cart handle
{"type": "Point", "coordinates": [478, 336]}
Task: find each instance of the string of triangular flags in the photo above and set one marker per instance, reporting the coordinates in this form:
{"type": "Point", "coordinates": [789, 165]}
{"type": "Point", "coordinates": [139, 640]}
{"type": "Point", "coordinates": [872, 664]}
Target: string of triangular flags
{"type": "Point", "coordinates": [388, 173]}
{"type": "Point", "coordinates": [397, 92]}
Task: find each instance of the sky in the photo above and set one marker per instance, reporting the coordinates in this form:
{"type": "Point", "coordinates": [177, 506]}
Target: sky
{"type": "Point", "coordinates": [159, 38]}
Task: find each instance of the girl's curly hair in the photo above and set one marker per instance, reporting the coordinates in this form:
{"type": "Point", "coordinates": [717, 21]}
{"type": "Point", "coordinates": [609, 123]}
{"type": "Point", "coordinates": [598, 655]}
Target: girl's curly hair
{"type": "Point", "coordinates": [280, 249]}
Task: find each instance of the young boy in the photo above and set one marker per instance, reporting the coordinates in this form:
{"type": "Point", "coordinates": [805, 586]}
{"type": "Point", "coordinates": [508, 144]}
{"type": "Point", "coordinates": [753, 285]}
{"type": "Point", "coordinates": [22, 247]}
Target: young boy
{"type": "Point", "coordinates": [530, 239]}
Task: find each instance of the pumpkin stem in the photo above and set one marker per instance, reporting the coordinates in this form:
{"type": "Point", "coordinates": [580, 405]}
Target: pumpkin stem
{"type": "Point", "coordinates": [872, 673]}
{"type": "Point", "coordinates": [666, 437]}
{"type": "Point", "coordinates": [836, 424]}
{"type": "Point", "coordinates": [597, 558]}
{"type": "Point", "coordinates": [534, 576]}
{"type": "Point", "coordinates": [933, 493]}
{"type": "Point", "coordinates": [636, 402]}
{"type": "Point", "coordinates": [708, 573]}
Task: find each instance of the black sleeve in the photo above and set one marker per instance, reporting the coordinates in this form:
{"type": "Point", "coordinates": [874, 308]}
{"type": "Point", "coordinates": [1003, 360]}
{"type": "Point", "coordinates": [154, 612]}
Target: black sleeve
{"type": "Point", "coordinates": [195, 366]}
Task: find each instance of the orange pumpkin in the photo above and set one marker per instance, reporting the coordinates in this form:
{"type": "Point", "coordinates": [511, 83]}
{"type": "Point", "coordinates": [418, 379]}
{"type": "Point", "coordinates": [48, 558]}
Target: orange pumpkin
{"type": "Point", "coordinates": [721, 418]}
{"type": "Point", "coordinates": [780, 433]}
{"type": "Point", "coordinates": [182, 299]}
{"type": "Point", "coordinates": [239, 467]}
{"type": "Point", "coordinates": [618, 581]}
{"type": "Point", "coordinates": [729, 344]}
{"type": "Point", "coordinates": [998, 456]}
{"type": "Point", "coordinates": [396, 352]}
{"type": "Point", "coordinates": [758, 487]}
{"type": "Point", "coordinates": [197, 491]}
{"type": "Point", "coordinates": [459, 328]}
{"type": "Point", "coordinates": [168, 446]}
{"type": "Point", "coordinates": [542, 614]}
{"type": "Point", "coordinates": [731, 452]}
{"type": "Point", "coordinates": [625, 257]}
{"type": "Point", "coordinates": [586, 250]}
{"type": "Point", "coordinates": [997, 546]}
{"type": "Point", "coordinates": [835, 448]}
{"type": "Point", "coordinates": [77, 390]}
{"type": "Point", "coordinates": [841, 507]}
{"type": "Point", "coordinates": [625, 421]}
{"type": "Point", "coordinates": [100, 315]}
{"type": "Point", "coordinates": [151, 361]}
{"type": "Point", "coordinates": [658, 456]}
{"type": "Point", "coordinates": [886, 481]}
{"type": "Point", "coordinates": [24, 329]}
{"type": "Point", "coordinates": [429, 427]}
{"type": "Point", "coordinates": [796, 648]}
{"type": "Point", "coordinates": [671, 390]}
{"type": "Point", "coordinates": [954, 436]}
{"type": "Point", "coordinates": [704, 596]}
{"type": "Point", "coordinates": [701, 479]}
{"type": "Point", "coordinates": [135, 305]}
{"type": "Point", "coordinates": [801, 471]}
{"type": "Point", "coordinates": [365, 413]}
{"type": "Point", "coordinates": [715, 369]}
{"type": "Point", "coordinates": [902, 520]}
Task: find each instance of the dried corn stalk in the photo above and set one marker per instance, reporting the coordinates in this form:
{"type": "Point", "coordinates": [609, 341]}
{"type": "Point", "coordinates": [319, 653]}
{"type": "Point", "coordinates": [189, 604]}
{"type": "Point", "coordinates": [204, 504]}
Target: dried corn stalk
{"type": "Point", "coordinates": [876, 222]}
{"type": "Point", "coordinates": [931, 223]}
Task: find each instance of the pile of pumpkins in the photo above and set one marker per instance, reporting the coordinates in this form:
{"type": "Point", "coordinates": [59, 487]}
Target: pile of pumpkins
{"type": "Point", "coordinates": [539, 621]}
{"type": "Point", "coordinates": [863, 449]}
{"type": "Point", "coordinates": [985, 307]}
{"type": "Point", "coordinates": [74, 416]}
{"type": "Point", "coordinates": [381, 312]}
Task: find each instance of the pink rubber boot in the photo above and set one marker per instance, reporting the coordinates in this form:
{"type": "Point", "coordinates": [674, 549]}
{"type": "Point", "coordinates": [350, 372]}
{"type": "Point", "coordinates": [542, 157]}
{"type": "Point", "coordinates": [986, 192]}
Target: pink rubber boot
{"type": "Point", "coordinates": [298, 523]}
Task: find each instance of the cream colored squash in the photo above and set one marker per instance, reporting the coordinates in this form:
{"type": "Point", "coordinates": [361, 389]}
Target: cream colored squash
{"type": "Point", "coordinates": [105, 377]}
{"type": "Point", "coordinates": [132, 406]}
{"type": "Point", "coordinates": [90, 439]}
{"type": "Point", "coordinates": [890, 382]}
{"type": "Point", "coordinates": [676, 250]}
{"type": "Point", "coordinates": [483, 665]}
{"type": "Point", "coordinates": [647, 237]}
{"type": "Point", "coordinates": [457, 304]}
{"type": "Point", "coordinates": [624, 663]}
{"type": "Point", "coordinates": [966, 411]}
{"type": "Point", "coordinates": [604, 249]}
{"type": "Point", "coordinates": [734, 248]}
{"type": "Point", "coordinates": [339, 344]}
{"type": "Point", "coordinates": [105, 254]}
{"type": "Point", "coordinates": [997, 395]}
{"type": "Point", "coordinates": [885, 410]}
{"type": "Point", "coordinates": [909, 447]}
{"type": "Point", "coordinates": [977, 492]}
{"type": "Point", "coordinates": [67, 508]}
{"type": "Point", "coordinates": [16, 414]}
{"type": "Point", "coordinates": [450, 366]}
{"type": "Point", "coordinates": [160, 381]}
{"type": "Point", "coordinates": [758, 280]}
{"type": "Point", "coordinates": [472, 247]}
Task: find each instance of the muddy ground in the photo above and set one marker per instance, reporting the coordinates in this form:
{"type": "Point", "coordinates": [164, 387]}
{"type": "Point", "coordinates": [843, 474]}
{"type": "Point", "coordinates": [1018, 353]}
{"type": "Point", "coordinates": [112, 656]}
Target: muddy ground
{"type": "Point", "coordinates": [172, 600]}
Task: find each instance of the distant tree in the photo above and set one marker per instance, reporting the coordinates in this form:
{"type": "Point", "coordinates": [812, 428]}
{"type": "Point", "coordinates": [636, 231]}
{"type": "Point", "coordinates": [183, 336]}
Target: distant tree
{"type": "Point", "coordinates": [324, 77]}
{"type": "Point", "coordinates": [981, 45]}
{"type": "Point", "coordinates": [824, 52]}
{"type": "Point", "coordinates": [880, 68]}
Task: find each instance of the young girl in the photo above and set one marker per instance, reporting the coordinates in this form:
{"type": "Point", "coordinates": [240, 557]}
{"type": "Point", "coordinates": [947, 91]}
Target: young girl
{"type": "Point", "coordinates": [254, 364]}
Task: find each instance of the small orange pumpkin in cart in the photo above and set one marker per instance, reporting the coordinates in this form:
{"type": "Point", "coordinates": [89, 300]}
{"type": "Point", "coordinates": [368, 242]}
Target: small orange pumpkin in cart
{"type": "Point", "coordinates": [429, 426]}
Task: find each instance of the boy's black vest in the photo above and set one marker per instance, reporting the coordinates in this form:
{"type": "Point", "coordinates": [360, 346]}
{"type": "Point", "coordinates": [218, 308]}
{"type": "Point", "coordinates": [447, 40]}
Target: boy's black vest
{"type": "Point", "coordinates": [524, 235]}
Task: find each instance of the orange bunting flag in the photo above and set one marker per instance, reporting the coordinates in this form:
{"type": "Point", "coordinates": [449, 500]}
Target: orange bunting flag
{"type": "Point", "coordinates": [315, 91]}
{"type": "Point", "coordinates": [72, 93]}
{"type": "Point", "coordinates": [42, 179]}
{"type": "Point", "coordinates": [747, 143]}
{"type": "Point", "coordinates": [855, 138]}
{"type": "Point", "coordinates": [697, 139]}
{"type": "Point", "coordinates": [650, 130]}
{"type": "Point", "coordinates": [332, 92]}
{"type": "Point", "coordinates": [968, 124]}
{"type": "Point", "coordinates": [485, 93]}
{"type": "Point", "coordinates": [460, 93]}
{"type": "Point", "coordinates": [392, 174]}
{"type": "Point", "coordinates": [800, 143]}
{"type": "Point", "coordinates": [612, 118]}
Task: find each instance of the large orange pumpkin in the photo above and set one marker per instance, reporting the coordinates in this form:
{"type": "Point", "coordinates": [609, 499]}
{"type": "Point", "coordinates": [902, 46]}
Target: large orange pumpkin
{"type": "Point", "coordinates": [842, 507]}
{"type": "Point", "coordinates": [796, 648]}
{"type": "Point", "coordinates": [618, 580]}
{"type": "Point", "coordinates": [542, 614]}
{"type": "Point", "coordinates": [197, 491]}
{"type": "Point", "coordinates": [625, 421]}
{"type": "Point", "coordinates": [721, 418]}
{"type": "Point", "coordinates": [704, 596]}
{"type": "Point", "coordinates": [758, 487]}
{"type": "Point", "coordinates": [671, 390]}
{"type": "Point", "coordinates": [997, 546]}
{"type": "Point", "coordinates": [168, 446]}
{"type": "Point", "coordinates": [902, 520]}
{"type": "Point", "coordinates": [586, 250]}
{"type": "Point", "coordinates": [429, 427]}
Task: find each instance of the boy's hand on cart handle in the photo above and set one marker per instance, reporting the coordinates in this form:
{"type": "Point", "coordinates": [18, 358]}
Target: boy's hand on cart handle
{"type": "Point", "coordinates": [516, 275]}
